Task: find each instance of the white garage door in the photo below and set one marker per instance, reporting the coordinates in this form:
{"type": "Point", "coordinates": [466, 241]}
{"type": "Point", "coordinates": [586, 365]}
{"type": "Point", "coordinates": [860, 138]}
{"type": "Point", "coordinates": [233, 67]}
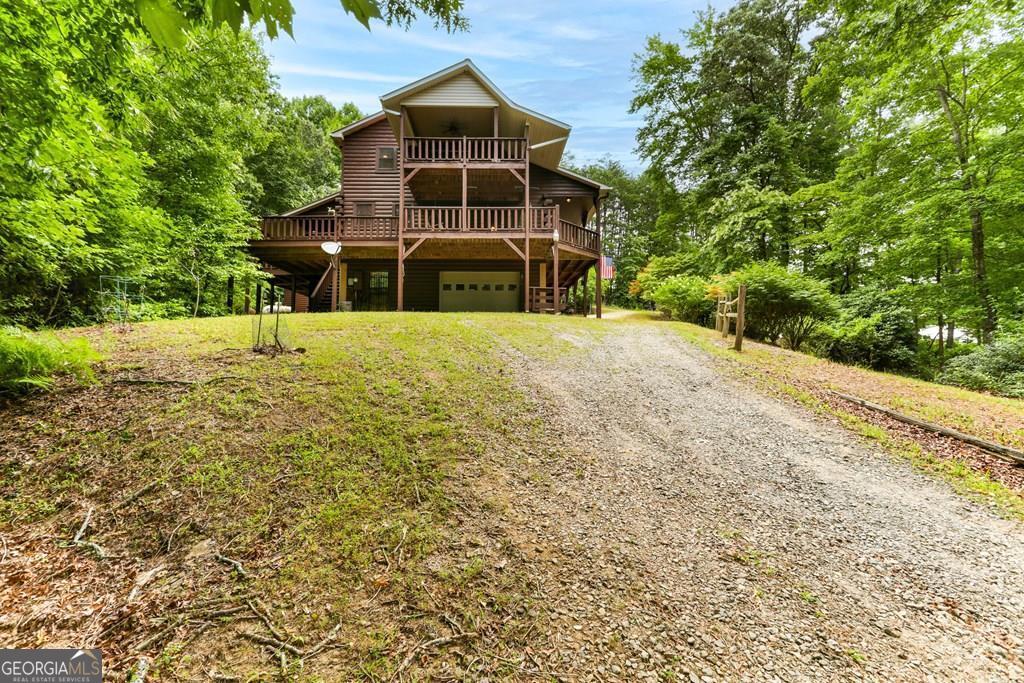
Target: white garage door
{"type": "Point", "coordinates": [497, 290]}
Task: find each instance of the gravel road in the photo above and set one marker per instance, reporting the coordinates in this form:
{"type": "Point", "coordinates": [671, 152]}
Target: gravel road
{"type": "Point", "coordinates": [695, 530]}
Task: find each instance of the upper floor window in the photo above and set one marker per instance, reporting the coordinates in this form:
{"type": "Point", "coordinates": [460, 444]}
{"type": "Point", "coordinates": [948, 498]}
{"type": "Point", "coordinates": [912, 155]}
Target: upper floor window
{"type": "Point", "coordinates": [364, 209]}
{"type": "Point", "coordinates": [387, 158]}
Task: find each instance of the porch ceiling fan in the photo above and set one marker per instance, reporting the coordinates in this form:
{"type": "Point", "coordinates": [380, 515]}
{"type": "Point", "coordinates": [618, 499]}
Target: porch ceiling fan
{"type": "Point", "coordinates": [453, 128]}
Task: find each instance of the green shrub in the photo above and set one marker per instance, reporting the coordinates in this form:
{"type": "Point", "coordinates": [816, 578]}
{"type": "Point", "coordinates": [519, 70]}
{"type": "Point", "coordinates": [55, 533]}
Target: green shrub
{"type": "Point", "coordinates": [31, 360]}
{"type": "Point", "coordinates": [781, 304]}
{"type": "Point", "coordinates": [998, 367]}
{"type": "Point", "coordinates": [659, 269]}
{"type": "Point", "coordinates": [873, 330]}
{"type": "Point", "coordinates": [684, 297]}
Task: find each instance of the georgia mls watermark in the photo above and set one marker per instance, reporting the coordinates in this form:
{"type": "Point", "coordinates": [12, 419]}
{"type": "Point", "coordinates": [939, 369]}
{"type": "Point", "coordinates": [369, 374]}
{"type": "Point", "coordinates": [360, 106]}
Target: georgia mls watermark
{"type": "Point", "coordinates": [51, 666]}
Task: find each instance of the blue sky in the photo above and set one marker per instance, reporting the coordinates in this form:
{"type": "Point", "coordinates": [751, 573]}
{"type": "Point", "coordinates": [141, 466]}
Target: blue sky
{"type": "Point", "coordinates": [570, 60]}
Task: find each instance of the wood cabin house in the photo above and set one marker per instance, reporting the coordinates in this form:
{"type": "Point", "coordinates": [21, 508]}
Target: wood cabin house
{"type": "Point", "coordinates": [433, 212]}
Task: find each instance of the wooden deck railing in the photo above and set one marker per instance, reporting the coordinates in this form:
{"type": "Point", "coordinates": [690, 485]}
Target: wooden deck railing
{"type": "Point", "coordinates": [322, 228]}
{"type": "Point", "coordinates": [301, 228]}
{"type": "Point", "coordinates": [430, 219]}
{"type": "Point", "coordinates": [578, 236]}
{"type": "Point", "coordinates": [368, 227]}
{"type": "Point", "coordinates": [543, 298]}
{"type": "Point", "coordinates": [496, 150]}
{"type": "Point", "coordinates": [478, 219]}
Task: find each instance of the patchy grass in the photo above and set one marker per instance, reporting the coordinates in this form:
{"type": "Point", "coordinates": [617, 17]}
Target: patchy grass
{"type": "Point", "coordinates": [299, 497]}
{"type": "Point", "coordinates": [807, 380]}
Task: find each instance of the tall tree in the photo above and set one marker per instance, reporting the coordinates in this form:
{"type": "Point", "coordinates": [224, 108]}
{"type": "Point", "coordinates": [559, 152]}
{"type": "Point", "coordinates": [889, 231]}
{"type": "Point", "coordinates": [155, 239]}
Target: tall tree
{"type": "Point", "coordinates": [725, 119]}
{"type": "Point", "coordinates": [945, 81]}
{"type": "Point", "coordinates": [301, 162]}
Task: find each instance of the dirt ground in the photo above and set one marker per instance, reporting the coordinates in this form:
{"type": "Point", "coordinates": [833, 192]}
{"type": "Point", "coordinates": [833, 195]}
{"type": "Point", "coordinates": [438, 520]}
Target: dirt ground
{"type": "Point", "coordinates": [695, 530]}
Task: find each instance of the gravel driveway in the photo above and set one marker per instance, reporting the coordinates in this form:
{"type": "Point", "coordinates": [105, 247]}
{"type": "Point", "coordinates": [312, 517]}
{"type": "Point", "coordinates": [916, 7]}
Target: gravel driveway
{"type": "Point", "coordinates": [695, 530]}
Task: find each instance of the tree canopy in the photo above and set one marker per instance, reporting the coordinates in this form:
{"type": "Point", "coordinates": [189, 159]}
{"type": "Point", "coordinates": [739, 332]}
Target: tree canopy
{"type": "Point", "coordinates": [870, 147]}
{"type": "Point", "coordinates": [122, 157]}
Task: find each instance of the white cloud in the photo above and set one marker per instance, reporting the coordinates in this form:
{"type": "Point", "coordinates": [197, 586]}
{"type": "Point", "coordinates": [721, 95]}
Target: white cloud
{"type": "Point", "coordinates": [327, 72]}
{"type": "Point", "coordinates": [573, 32]}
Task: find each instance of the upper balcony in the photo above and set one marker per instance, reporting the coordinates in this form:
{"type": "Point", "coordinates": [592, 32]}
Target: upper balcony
{"type": "Point", "coordinates": [458, 151]}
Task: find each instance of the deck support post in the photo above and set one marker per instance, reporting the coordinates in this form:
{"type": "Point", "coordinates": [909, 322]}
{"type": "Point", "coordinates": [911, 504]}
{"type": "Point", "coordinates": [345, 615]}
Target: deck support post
{"type": "Point", "coordinates": [295, 294]}
{"type": "Point", "coordinates": [556, 290]}
{"type": "Point", "coordinates": [526, 223]}
{"type": "Point", "coordinates": [334, 285]}
{"type": "Point", "coordinates": [401, 210]}
{"type": "Point", "coordinates": [343, 277]}
{"type": "Point", "coordinates": [465, 189]}
{"type": "Point", "coordinates": [600, 260]}
{"type": "Point", "coordinates": [259, 296]}
{"type": "Point", "coordinates": [586, 294]}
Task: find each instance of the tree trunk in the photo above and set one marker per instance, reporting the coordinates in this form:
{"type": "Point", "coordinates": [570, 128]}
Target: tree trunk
{"type": "Point", "coordinates": [988, 325]}
{"type": "Point", "coordinates": [970, 182]}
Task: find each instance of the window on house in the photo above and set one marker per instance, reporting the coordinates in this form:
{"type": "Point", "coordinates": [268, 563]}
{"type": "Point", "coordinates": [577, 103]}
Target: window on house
{"type": "Point", "coordinates": [364, 209]}
{"type": "Point", "coordinates": [387, 158]}
{"type": "Point", "coordinates": [394, 209]}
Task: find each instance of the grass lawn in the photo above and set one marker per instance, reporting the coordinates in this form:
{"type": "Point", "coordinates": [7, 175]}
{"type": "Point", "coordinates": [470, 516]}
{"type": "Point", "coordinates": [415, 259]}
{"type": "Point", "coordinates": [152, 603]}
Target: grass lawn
{"type": "Point", "coordinates": [239, 515]}
{"type": "Point", "coordinates": [299, 497]}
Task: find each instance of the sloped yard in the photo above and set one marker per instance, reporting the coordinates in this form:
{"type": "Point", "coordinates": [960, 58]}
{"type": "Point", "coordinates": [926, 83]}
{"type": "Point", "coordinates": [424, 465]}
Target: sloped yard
{"type": "Point", "coordinates": [469, 496]}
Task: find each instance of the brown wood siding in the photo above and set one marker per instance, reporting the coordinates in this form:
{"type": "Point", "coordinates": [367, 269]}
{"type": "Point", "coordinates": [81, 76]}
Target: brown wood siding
{"type": "Point", "coordinates": [360, 179]}
{"type": "Point", "coordinates": [545, 184]}
{"type": "Point", "coordinates": [299, 304]}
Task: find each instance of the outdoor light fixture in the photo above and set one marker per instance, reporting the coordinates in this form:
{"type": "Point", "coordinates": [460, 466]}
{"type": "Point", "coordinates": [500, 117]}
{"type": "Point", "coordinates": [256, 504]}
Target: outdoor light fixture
{"type": "Point", "coordinates": [554, 235]}
{"type": "Point", "coordinates": [331, 248]}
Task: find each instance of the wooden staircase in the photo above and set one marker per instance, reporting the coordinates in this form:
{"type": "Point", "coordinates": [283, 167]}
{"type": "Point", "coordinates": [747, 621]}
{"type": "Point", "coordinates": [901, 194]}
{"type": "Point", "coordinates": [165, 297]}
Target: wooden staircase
{"type": "Point", "coordinates": [569, 274]}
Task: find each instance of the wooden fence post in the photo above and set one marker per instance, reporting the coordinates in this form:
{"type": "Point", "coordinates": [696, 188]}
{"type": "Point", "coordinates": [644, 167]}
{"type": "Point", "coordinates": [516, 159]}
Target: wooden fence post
{"type": "Point", "coordinates": [725, 317]}
{"type": "Point", "coordinates": [741, 306]}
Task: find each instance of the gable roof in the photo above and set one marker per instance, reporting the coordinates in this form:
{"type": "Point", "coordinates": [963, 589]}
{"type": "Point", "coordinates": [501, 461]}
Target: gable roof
{"type": "Point", "coordinates": [464, 84]}
{"type": "Point", "coordinates": [601, 187]}
{"type": "Point", "coordinates": [465, 66]}
{"type": "Point", "coordinates": [313, 204]}
{"type": "Point", "coordinates": [357, 125]}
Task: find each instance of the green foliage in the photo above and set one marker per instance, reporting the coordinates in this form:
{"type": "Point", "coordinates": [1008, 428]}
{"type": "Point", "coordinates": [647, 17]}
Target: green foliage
{"type": "Point", "coordinates": [684, 297]}
{"type": "Point", "coordinates": [873, 330]}
{"type": "Point", "coordinates": [781, 304]}
{"type": "Point", "coordinates": [31, 361]}
{"type": "Point", "coordinates": [300, 162]}
{"type": "Point", "coordinates": [121, 158]}
{"type": "Point", "coordinates": [724, 118]}
{"type": "Point", "coordinates": [205, 108]}
{"type": "Point", "coordinates": [659, 269]}
{"type": "Point", "coordinates": [997, 367]}
{"type": "Point", "coordinates": [169, 22]}
{"type": "Point", "coordinates": [874, 148]}
{"type": "Point", "coordinates": [933, 92]}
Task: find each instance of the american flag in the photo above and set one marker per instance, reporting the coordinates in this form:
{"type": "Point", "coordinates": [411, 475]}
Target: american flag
{"type": "Point", "coordinates": [607, 268]}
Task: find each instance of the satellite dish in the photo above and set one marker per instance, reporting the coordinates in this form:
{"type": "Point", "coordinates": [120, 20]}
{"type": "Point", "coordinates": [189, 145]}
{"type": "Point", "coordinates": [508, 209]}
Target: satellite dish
{"type": "Point", "coordinates": [331, 248]}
